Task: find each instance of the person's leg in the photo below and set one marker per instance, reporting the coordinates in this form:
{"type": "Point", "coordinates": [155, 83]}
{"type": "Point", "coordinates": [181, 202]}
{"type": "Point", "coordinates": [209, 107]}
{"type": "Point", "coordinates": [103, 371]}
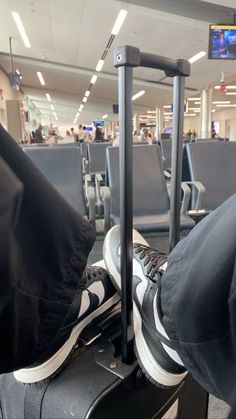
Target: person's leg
{"type": "Point", "coordinates": [188, 307]}
{"type": "Point", "coordinates": [198, 301]}
{"type": "Point", "coordinates": [48, 244]}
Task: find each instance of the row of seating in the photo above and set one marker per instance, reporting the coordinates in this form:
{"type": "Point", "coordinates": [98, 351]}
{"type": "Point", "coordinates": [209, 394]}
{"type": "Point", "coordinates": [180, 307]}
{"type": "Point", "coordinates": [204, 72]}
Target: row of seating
{"type": "Point", "coordinates": [211, 170]}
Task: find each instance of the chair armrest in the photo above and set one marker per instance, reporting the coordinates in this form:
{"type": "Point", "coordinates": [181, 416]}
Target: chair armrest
{"type": "Point", "coordinates": [84, 165]}
{"type": "Point", "coordinates": [106, 196]}
{"type": "Point", "coordinates": [91, 204]}
{"type": "Point", "coordinates": [186, 198]}
{"type": "Point", "coordinates": [200, 188]}
{"type": "Point", "coordinates": [87, 183]}
{"type": "Point", "coordinates": [167, 174]}
{"type": "Point", "coordinates": [98, 180]}
{"type": "Point", "coordinates": [98, 191]}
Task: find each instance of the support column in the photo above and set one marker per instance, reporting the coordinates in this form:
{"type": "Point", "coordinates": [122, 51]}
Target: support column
{"type": "Point", "coordinates": [113, 129]}
{"type": "Point", "coordinates": [159, 121]}
{"type": "Point", "coordinates": [205, 114]}
{"type": "Point", "coordinates": [136, 122]}
{"type": "Point", "coordinates": [106, 130]}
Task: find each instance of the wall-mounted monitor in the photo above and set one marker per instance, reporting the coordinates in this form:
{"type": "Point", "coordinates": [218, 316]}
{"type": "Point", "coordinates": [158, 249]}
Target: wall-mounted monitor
{"type": "Point", "coordinates": [98, 123]}
{"type": "Point", "coordinates": [222, 42]}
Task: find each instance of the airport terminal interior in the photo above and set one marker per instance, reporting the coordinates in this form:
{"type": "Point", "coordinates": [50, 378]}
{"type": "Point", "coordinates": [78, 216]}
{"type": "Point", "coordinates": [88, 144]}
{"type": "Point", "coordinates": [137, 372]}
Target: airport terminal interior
{"type": "Point", "coordinates": [60, 101]}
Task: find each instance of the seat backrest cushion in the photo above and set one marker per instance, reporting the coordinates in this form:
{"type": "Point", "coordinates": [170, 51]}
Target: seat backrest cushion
{"type": "Point", "coordinates": [63, 168]}
{"type": "Point", "coordinates": [96, 157]}
{"type": "Point", "coordinates": [214, 164]}
{"type": "Point", "coordinates": [166, 146]}
{"type": "Point", "coordinates": [149, 188]}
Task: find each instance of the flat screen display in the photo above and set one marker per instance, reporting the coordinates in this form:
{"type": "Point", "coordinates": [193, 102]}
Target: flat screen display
{"type": "Point", "coordinates": [222, 42]}
{"type": "Point", "coordinates": [98, 123]}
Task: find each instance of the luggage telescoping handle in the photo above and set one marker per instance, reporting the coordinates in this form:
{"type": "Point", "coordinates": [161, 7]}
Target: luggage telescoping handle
{"type": "Point", "coordinates": [125, 58]}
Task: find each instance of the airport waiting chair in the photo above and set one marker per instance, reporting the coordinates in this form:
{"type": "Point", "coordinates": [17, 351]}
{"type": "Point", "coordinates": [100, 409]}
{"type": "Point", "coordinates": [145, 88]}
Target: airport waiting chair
{"type": "Point", "coordinates": [140, 142]}
{"type": "Point", "coordinates": [62, 166]}
{"type": "Point", "coordinates": [166, 146]}
{"type": "Point", "coordinates": [96, 158]}
{"type": "Point", "coordinates": [151, 205]}
{"type": "Point", "coordinates": [212, 163]}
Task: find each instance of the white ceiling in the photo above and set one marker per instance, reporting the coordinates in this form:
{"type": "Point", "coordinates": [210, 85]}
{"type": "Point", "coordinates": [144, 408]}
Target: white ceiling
{"type": "Point", "coordinates": [69, 37]}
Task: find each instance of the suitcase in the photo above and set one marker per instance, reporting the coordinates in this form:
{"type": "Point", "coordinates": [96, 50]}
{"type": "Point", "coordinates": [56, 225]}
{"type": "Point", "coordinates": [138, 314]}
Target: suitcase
{"type": "Point", "coordinates": [101, 378]}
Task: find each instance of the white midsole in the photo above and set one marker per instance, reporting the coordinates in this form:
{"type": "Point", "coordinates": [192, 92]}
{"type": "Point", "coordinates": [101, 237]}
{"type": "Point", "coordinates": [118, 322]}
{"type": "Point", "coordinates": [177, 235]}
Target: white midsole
{"type": "Point", "coordinates": [156, 372]}
{"type": "Point", "coordinates": [108, 256]}
{"type": "Point", "coordinates": [32, 375]}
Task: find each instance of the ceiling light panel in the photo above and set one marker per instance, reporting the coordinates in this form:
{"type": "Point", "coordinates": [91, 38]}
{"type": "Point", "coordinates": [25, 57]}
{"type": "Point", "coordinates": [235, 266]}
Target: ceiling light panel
{"type": "Point", "coordinates": [21, 29]}
{"type": "Point", "coordinates": [119, 22]}
{"type": "Point", "coordinates": [197, 57]}
{"type": "Point", "coordinates": [48, 97]}
{"type": "Point", "coordinates": [139, 94]}
{"type": "Point", "coordinates": [93, 79]}
{"type": "Point", "coordinates": [220, 102]}
{"type": "Point", "coordinates": [99, 65]}
{"type": "Point", "coordinates": [40, 77]}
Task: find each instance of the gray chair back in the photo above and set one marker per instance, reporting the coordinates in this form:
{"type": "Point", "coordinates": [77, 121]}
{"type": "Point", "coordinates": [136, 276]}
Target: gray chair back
{"type": "Point", "coordinates": [62, 166]}
{"type": "Point", "coordinates": [84, 150]}
{"type": "Point", "coordinates": [149, 188]}
{"type": "Point", "coordinates": [214, 164]}
{"type": "Point", "coordinates": [97, 157]}
{"type": "Point", "coordinates": [166, 146]}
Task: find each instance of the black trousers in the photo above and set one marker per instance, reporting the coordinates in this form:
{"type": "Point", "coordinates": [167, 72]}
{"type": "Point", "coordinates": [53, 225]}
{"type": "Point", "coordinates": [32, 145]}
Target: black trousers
{"type": "Point", "coordinates": [198, 300]}
{"type": "Point", "coordinates": [44, 245]}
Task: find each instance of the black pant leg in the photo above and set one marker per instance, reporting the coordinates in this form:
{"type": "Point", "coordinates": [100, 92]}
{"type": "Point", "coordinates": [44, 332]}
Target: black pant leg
{"type": "Point", "coordinates": [198, 301]}
{"type": "Point", "coordinates": [49, 246]}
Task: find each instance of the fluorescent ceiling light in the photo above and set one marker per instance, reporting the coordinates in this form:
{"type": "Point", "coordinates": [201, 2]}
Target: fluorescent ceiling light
{"type": "Point", "coordinates": [48, 97]}
{"type": "Point", "coordinates": [197, 103]}
{"type": "Point", "coordinates": [93, 79]}
{"type": "Point", "coordinates": [231, 93]}
{"type": "Point", "coordinates": [194, 109]}
{"type": "Point", "coordinates": [87, 93]}
{"type": "Point", "coordinates": [56, 118]}
{"type": "Point", "coordinates": [84, 99]}
{"type": "Point", "coordinates": [190, 114]}
{"type": "Point", "coordinates": [119, 22]}
{"type": "Point", "coordinates": [194, 98]}
{"type": "Point", "coordinates": [21, 29]}
{"type": "Point", "coordinates": [197, 57]}
{"type": "Point", "coordinates": [52, 107]}
{"type": "Point", "coordinates": [105, 116]}
{"type": "Point", "coordinates": [41, 79]}
{"type": "Point", "coordinates": [54, 113]}
{"type": "Point", "coordinates": [168, 113]}
{"type": "Point", "coordinates": [213, 110]}
{"type": "Point", "coordinates": [219, 102]}
{"type": "Point", "coordinates": [152, 112]}
{"type": "Point", "coordinates": [227, 87]}
{"type": "Point", "coordinates": [139, 94]}
{"type": "Point", "coordinates": [81, 107]}
{"type": "Point", "coordinates": [226, 105]}
{"type": "Point", "coordinates": [167, 106]}
{"type": "Point", "coordinates": [99, 65]}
